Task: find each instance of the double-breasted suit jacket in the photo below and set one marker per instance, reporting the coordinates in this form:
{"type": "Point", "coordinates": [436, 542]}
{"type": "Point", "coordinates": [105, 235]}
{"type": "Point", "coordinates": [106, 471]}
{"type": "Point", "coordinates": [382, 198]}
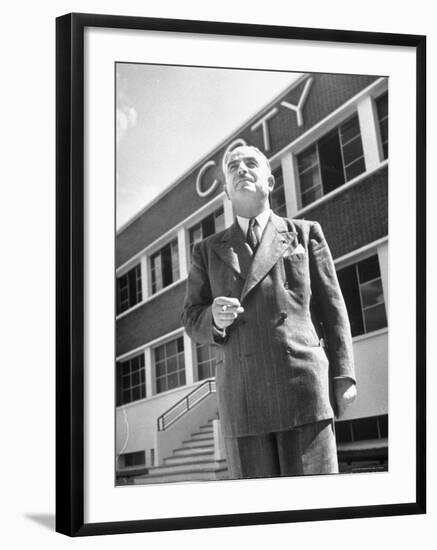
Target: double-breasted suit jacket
{"type": "Point", "coordinates": [272, 371]}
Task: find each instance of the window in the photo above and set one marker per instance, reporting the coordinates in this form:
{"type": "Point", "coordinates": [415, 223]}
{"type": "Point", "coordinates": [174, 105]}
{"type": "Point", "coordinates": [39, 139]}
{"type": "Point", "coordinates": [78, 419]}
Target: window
{"type": "Point", "coordinates": [129, 289]}
{"type": "Point", "coordinates": [170, 365]}
{"type": "Point", "coordinates": [330, 162]}
{"type": "Point", "coordinates": [165, 266]}
{"type": "Point", "coordinates": [382, 112]}
{"type": "Point", "coordinates": [127, 460]}
{"type": "Point", "coordinates": [362, 429]}
{"type": "Point", "coordinates": [131, 380]}
{"type": "Point", "coordinates": [205, 361]}
{"type": "Point", "coordinates": [213, 223]}
{"type": "Point", "coordinates": [362, 291]}
{"type": "Point", "coordinates": [277, 196]}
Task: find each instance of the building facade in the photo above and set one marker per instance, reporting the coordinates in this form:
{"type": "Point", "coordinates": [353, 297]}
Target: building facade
{"type": "Point", "coordinates": [326, 137]}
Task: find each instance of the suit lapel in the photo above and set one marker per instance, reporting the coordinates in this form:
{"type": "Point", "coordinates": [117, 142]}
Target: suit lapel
{"type": "Point", "coordinates": [274, 242]}
{"type": "Point", "coordinates": [233, 250]}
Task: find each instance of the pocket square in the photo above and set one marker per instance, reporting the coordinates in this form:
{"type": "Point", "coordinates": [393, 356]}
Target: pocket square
{"type": "Point", "coordinates": [298, 250]}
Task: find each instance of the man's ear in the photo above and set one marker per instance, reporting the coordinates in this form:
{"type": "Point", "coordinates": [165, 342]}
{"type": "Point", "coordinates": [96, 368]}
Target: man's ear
{"type": "Point", "coordinates": [271, 180]}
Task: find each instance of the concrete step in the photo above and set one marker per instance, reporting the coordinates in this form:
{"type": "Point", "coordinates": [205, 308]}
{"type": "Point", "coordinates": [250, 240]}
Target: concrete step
{"type": "Point", "coordinates": [205, 475]}
{"type": "Point", "coordinates": [193, 450]}
{"type": "Point", "coordinates": [196, 435]}
{"type": "Point", "coordinates": [189, 444]}
{"type": "Point", "coordinates": [193, 466]}
{"type": "Point", "coordinates": [199, 437]}
{"type": "Point", "coordinates": [187, 459]}
{"type": "Point", "coordinates": [206, 428]}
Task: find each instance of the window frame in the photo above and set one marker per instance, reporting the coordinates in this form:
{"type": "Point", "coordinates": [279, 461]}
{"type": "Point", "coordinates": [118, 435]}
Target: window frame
{"type": "Point", "coordinates": [336, 126]}
{"type": "Point", "coordinates": [163, 344]}
{"type": "Point", "coordinates": [119, 379]}
{"type": "Point", "coordinates": [138, 290]}
{"type": "Point", "coordinates": [354, 260]}
{"type": "Point", "coordinates": [155, 252]}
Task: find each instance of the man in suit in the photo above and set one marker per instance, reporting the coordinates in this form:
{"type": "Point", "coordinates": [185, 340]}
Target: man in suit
{"type": "Point", "coordinates": [262, 291]}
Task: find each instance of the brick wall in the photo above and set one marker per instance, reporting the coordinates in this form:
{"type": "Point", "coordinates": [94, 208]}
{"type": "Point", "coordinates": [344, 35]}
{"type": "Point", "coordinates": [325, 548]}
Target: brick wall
{"type": "Point", "coordinates": [356, 217]}
{"type": "Point", "coordinates": [155, 318]}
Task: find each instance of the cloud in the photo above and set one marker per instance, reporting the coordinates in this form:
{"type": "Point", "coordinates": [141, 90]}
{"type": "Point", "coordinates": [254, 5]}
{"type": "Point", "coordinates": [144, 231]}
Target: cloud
{"type": "Point", "coordinates": [127, 117]}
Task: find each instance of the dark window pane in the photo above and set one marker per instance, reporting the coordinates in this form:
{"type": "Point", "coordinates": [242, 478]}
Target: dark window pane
{"type": "Point", "coordinates": [353, 150]}
{"type": "Point", "coordinates": [134, 459]}
{"type": "Point", "coordinates": [180, 344]}
{"type": "Point", "coordinates": [368, 269]}
{"type": "Point", "coordinates": [310, 179]}
{"type": "Point", "coordinates": [375, 318]}
{"type": "Point", "coordinates": [172, 381]}
{"type": "Point", "coordinates": [331, 165]}
{"type": "Point", "coordinates": [161, 385]}
{"type": "Point", "coordinates": [365, 428]}
{"type": "Point", "coordinates": [160, 368]}
{"type": "Point", "coordinates": [166, 266]}
{"type": "Point", "coordinates": [172, 365]}
{"type": "Point", "coordinates": [355, 169]}
{"type": "Point", "coordinates": [170, 348]}
{"type": "Point", "coordinates": [125, 382]}
{"type": "Point", "coordinates": [208, 226]}
{"type": "Point", "coordinates": [371, 293]}
{"type": "Point", "coordinates": [125, 367]}
{"type": "Point", "coordinates": [126, 396]}
{"type": "Point", "coordinates": [349, 129]}
{"type": "Point", "coordinates": [307, 158]}
{"type": "Point", "coordinates": [382, 106]}
{"type": "Point", "coordinates": [343, 432]}
{"type": "Point", "coordinates": [181, 377]}
{"type": "Point", "coordinates": [136, 393]}
{"type": "Point", "coordinates": [277, 201]}
{"type": "Point", "coordinates": [159, 353]}
{"type": "Point", "coordinates": [135, 378]}
{"type": "Point", "coordinates": [347, 278]}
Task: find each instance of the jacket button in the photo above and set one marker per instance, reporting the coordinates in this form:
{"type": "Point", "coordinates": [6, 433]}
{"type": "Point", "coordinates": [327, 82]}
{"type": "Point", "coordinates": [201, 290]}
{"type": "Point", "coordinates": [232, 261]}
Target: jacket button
{"type": "Point", "coordinates": [286, 285]}
{"type": "Point", "coordinates": [283, 315]}
{"type": "Point", "coordinates": [289, 350]}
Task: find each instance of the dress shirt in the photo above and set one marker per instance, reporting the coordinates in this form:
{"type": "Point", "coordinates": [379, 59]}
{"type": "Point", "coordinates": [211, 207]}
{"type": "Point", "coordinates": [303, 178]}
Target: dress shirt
{"type": "Point", "coordinates": [262, 220]}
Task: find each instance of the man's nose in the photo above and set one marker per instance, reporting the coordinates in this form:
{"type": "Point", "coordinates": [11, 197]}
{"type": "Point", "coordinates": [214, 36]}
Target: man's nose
{"type": "Point", "coordinates": [242, 168]}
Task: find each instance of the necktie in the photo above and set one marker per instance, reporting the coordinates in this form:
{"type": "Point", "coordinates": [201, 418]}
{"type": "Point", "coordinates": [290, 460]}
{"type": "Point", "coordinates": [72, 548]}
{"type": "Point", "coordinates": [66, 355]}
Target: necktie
{"type": "Point", "coordinates": [253, 234]}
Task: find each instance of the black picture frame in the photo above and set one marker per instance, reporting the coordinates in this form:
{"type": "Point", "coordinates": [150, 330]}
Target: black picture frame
{"type": "Point", "coordinates": [70, 273]}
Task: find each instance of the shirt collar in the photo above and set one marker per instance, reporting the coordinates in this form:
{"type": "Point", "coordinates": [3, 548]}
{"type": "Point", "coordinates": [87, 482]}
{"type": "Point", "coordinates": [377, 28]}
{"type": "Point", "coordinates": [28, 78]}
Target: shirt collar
{"type": "Point", "coordinates": [262, 220]}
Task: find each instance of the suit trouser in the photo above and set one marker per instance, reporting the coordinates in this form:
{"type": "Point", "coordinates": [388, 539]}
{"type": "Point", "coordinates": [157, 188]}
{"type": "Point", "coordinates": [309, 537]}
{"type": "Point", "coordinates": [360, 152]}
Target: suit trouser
{"type": "Point", "coordinates": [305, 450]}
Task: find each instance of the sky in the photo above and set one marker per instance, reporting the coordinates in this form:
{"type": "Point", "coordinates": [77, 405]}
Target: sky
{"type": "Point", "coordinates": [169, 117]}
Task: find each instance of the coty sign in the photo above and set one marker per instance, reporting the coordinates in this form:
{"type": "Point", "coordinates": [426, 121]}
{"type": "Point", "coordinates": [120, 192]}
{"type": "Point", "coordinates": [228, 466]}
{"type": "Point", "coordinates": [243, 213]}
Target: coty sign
{"type": "Point", "coordinates": [263, 124]}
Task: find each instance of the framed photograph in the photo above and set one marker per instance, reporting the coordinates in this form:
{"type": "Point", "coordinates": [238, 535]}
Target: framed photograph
{"type": "Point", "coordinates": [240, 274]}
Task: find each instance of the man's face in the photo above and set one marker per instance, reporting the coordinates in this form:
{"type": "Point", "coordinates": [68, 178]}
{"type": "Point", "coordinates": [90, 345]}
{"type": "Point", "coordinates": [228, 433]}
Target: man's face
{"type": "Point", "coordinates": [248, 178]}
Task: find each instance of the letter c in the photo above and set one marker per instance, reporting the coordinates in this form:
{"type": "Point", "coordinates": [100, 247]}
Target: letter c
{"type": "Point", "coordinates": [213, 185]}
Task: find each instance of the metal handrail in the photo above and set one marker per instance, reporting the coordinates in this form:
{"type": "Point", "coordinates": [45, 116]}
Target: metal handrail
{"type": "Point", "coordinates": [185, 404]}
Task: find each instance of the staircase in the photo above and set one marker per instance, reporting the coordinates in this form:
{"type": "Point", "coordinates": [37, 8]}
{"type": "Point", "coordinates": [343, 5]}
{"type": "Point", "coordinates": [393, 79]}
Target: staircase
{"type": "Point", "coordinates": [194, 461]}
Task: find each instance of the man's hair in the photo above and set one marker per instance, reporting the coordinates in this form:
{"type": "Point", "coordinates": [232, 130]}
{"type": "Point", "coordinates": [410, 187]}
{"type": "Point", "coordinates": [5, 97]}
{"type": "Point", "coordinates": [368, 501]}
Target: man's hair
{"type": "Point", "coordinates": [253, 148]}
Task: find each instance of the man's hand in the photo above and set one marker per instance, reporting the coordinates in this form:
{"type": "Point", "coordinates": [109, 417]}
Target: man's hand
{"type": "Point", "coordinates": [225, 310]}
{"type": "Point", "coordinates": [345, 392]}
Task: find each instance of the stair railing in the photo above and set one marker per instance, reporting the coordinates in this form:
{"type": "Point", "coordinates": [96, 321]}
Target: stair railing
{"type": "Point", "coordinates": [185, 404]}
